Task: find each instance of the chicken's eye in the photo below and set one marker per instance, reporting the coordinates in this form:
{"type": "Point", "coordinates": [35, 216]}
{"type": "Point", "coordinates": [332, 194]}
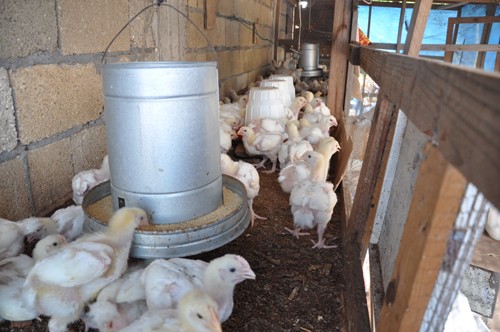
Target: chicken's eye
{"type": "Point", "coordinates": [54, 244]}
{"type": "Point", "coordinates": [232, 269]}
{"type": "Point", "coordinates": [199, 316]}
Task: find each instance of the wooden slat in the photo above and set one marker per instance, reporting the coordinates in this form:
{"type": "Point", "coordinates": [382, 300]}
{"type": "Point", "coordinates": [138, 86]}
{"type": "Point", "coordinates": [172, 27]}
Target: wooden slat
{"type": "Point", "coordinates": [417, 26]}
{"type": "Point", "coordinates": [458, 107]}
{"type": "Point", "coordinates": [277, 28]}
{"type": "Point", "coordinates": [210, 10]}
{"type": "Point", "coordinates": [487, 254]}
{"type": "Point", "coordinates": [359, 230]}
{"type": "Point", "coordinates": [444, 47]}
{"type": "Point", "coordinates": [355, 296]}
{"type": "Point", "coordinates": [400, 27]}
{"type": "Point", "coordinates": [436, 202]}
{"type": "Point", "coordinates": [339, 56]}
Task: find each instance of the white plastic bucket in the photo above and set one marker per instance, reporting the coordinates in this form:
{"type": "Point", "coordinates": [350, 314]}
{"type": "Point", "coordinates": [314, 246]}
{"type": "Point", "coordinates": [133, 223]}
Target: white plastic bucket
{"type": "Point", "coordinates": [264, 102]}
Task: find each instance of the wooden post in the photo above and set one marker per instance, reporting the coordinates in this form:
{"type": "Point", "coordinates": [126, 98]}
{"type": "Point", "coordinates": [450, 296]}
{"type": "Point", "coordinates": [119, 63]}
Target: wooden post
{"type": "Point", "coordinates": [436, 202]}
{"type": "Point", "coordinates": [341, 33]}
{"type": "Point", "coordinates": [400, 28]}
{"type": "Point", "coordinates": [417, 26]}
{"type": "Point", "coordinates": [277, 28]}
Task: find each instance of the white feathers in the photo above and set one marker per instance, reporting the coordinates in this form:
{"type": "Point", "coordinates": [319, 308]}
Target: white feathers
{"type": "Point", "coordinates": [248, 175]}
{"type": "Point", "coordinates": [12, 234]}
{"type": "Point", "coordinates": [492, 226]}
{"type": "Point", "coordinates": [69, 221]}
{"type": "Point", "coordinates": [72, 276]}
{"type": "Point", "coordinates": [166, 281]}
{"type": "Point", "coordinates": [86, 180]}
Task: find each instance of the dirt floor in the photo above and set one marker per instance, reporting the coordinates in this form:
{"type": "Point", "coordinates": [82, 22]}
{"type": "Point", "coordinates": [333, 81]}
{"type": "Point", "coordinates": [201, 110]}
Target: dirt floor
{"type": "Point", "coordinates": [297, 288]}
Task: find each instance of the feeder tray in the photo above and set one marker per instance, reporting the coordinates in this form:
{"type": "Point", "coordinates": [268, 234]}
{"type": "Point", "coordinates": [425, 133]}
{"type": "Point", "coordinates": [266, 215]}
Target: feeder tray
{"type": "Point", "coordinates": [181, 239]}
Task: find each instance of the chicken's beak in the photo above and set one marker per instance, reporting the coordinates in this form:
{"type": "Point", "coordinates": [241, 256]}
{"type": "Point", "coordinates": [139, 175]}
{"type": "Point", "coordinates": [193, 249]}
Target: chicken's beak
{"type": "Point", "coordinates": [249, 274]}
{"type": "Point", "coordinates": [214, 322]}
{"type": "Point", "coordinates": [144, 222]}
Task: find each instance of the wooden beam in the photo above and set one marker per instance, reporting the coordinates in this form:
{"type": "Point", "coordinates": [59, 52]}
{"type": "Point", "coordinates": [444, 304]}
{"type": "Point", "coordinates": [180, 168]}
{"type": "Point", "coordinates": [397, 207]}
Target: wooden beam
{"type": "Point", "coordinates": [400, 27]}
{"type": "Point", "coordinates": [436, 201]}
{"type": "Point", "coordinates": [356, 307]}
{"type": "Point", "coordinates": [485, 36]}
{"type": "Point", "coordinates": [365, 200]}
{"type": "Point", "coordinates": [277, 28]}
{"type": "Point", "coordinates": [417, 27]}
{"type": "Point", "coordinates": [210, 10]}
{"type": "Point", "coordinates": [487, 254]}
{"type": "Point", "coordinates": [456, 106]}
{"type": "Point", "coordinates": [339, 56]}
{"type": "Point", "coordinates": [443, 47]}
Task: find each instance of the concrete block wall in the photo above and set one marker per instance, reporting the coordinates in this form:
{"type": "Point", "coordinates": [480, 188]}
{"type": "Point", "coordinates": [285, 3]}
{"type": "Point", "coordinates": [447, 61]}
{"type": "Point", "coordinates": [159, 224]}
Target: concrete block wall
{"type": "Point", "coordinates": [240, 59]}
{"type": "Point", "coordinates": [51, 103]}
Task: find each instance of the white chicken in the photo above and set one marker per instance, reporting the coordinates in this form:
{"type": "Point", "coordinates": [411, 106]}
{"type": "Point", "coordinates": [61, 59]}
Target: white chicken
{"type": "Point", "coordinates": [226, 141]}
{"type": "Point", "coordinates": [196, 312]}
{"type": "Point", "coordinates": [247, 174]}
{"type": "Point", "coordinates": [262, 144]}
{"type": "Point", "coordinates": [12, 233]}
{"type": "Point", "coordinates": [309, 165]}
{"type": "Point", "coordinates": [69, 221]}
{"type": "Point", "coordinates": [297, 105]}
{"type": "Point", "coordinates": [327, 147]}
{"type": "Point", "coordinates": [166, 281]}
{"type": "Point", "coordinates": [492, 226]}
{"type": "Point", "coordinates": [320, 106]}
{"type": "Point", "coordinates": [294, 147]}
{"type": "Point", "coordinates": [119, 303]}
{"type": "Point", "coordinates": [61, 284]}
{"type": "Point", "coordinates": [312, 203]}
{"type": "Point", "coordinates": [315, 132]}
{"type": "Point", "coordinates": [16, 269]}
{"type": "Point", "coordinates": [86, 180]}
{"type": "Point", "coordinates": [268, 125]}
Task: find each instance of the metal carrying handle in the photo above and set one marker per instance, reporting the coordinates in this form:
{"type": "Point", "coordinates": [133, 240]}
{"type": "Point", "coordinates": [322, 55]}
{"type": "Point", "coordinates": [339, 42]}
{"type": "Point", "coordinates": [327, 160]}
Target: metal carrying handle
{"type": "Point", "coordinates": [159, 3]}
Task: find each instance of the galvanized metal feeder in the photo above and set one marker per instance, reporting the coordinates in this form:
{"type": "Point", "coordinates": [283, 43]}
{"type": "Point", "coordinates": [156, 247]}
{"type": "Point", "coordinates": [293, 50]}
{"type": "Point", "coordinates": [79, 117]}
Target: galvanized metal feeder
{"type": "Point", "coordinates": [164, 156]}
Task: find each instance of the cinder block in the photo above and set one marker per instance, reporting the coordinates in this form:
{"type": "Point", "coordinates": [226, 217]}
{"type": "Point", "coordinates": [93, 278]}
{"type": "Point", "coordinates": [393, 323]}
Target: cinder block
{"type": "Point", "coordinates": [196, 3]}
{"type": "Point", "coordinates": [226, 7]}
{"type": "Point", "coordinates": [194, 38]}
{"type": "Point", "coordinates": [142, 27]}
{"type": "Point", "coordinates": [53, 98]}
{"type": "Point", "coordinates": [225, 63]}
{"type": "Point", "coordinates": [88, 148]}
{"type": "Point", "coordinates": [232, 34]}
{"type": "Point", "coordinates": [247, 56]}
{"type": "Point", "coordinates": [51, 173]}
{"type": "Point", "coordinates": [8, 133]}
{"type": "Point", "coordinates": [89, 26]}
{"type": "Point", "coordinates": [242, 82]}
{"type": "Point", "coordinates": [14, 191]}
{"type": "Point", "coordinates": [27, 27]}
{"type": "Point", "coordinates": [238, 63]}
{"type": "Point", "coordinates": [246, 36]}
{"type": "Point", "coordinates": [217, 35]}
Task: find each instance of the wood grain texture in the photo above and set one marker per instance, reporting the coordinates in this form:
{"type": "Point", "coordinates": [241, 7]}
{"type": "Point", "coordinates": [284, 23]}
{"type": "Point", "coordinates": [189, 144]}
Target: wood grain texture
{"type": "Point", "coordinates": [418, 21]}
{"type": "Point", "coordinates": [210, 11]}
{"type": "Point", "coordinates": [339, 56]}
{"type": "Point", "coordinates": [435, 204]}
{"type": "Point", "coordinates": [458, 107]}
{"type": "Point", "coordinates": [487, 254]}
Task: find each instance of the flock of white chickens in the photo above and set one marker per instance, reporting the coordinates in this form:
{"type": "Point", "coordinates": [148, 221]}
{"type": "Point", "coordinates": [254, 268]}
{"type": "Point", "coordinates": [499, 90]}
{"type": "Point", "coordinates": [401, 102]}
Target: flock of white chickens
{"type": "Point", "coordinates": [71, 275]}
{"type": "Point", "coordinates": [300, 142]}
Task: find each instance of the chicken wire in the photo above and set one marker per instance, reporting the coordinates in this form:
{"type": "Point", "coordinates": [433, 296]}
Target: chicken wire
{"type": "Point", "coordinates": [358, 122]}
